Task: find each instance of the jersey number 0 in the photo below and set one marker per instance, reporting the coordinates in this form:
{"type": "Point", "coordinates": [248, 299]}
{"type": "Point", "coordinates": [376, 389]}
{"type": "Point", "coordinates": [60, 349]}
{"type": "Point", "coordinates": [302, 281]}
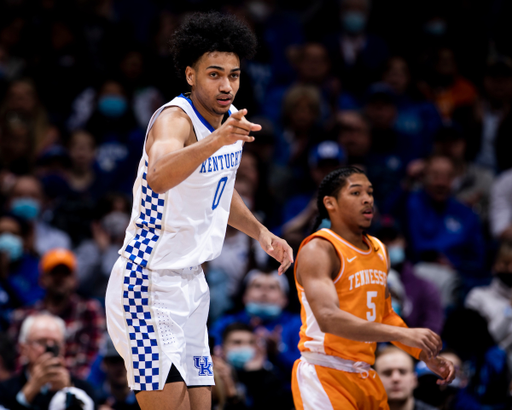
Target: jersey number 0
{"type": "Point", "coordinates": [218, 195]}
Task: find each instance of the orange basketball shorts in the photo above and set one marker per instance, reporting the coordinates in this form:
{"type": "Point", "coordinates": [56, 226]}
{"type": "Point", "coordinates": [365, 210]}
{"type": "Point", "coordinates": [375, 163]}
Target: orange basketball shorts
{"type": "Point", "coordinates": [317, 387]}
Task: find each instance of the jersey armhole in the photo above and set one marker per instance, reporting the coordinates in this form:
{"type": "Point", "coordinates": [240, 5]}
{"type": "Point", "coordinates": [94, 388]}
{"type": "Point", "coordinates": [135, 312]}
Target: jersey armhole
{"type": "Point", "coordinates": [152, 123]}
{"type": "Point", "coordinates": [340, 256]}
{"type": "Point", "coordinates": [342, 268]}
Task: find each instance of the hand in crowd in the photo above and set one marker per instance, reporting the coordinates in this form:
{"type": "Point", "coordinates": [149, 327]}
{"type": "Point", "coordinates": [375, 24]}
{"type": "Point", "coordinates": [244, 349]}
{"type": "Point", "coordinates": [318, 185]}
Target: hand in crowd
{"type": "Point", "coordinates": [272, 339]}
{"type": "Point", "coordinates": [260, 356]}
{"type": "Point", "coordinates": [47, 369]}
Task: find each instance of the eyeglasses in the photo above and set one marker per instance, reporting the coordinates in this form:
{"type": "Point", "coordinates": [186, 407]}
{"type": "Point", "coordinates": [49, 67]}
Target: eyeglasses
{"type": "Point", "coordinates": [44, 342]}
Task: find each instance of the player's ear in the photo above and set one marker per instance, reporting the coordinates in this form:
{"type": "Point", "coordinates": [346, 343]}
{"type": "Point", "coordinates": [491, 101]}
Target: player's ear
{"type": "Point", "coordinates": [329, 202]}
{"type": "Point", "coordinates": [190, 75]}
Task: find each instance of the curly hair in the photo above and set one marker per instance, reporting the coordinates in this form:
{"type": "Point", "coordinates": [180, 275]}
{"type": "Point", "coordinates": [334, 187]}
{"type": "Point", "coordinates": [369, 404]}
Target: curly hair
{"type": "Point", "coordinates": [331, 186]}
{"type": "Point", "coordinates": [207, 32]}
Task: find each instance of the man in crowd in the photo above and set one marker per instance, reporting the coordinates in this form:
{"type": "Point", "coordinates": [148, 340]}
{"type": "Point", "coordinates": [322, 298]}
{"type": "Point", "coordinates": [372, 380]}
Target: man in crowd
{"type": "Point", "coordinates": [41, 344]}
{"type": "Point", "coordinates": [396, 370]}
{"type": "Point", "coordinates": [84, 318]}
{"type": "Point", "coordinates": [264, 299]}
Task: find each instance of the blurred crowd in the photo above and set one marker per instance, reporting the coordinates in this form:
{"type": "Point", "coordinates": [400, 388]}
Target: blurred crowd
{"type": "Point", "coordinates": [417, 94]}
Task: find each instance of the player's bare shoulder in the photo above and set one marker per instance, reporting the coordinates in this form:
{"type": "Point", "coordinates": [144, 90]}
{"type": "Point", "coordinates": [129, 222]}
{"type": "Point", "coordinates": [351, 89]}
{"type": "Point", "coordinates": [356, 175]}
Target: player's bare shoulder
{"type": "Point", "coordinates": [317, 257]}
{"type": "Point", "coordinates": [172, 123]}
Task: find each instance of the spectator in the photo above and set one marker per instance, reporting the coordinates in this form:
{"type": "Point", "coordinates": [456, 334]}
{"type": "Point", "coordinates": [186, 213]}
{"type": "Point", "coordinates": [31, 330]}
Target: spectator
{"type": "Point", "coordinates": [19, 274]}
{"type": "Point", "coordinates": [486, 362]}
{"type": "Point", "coordinates": [358, 56]}
{"type": "Point", "coordinates": [264, 300]}
{"type": "Point", "coordinates": [353, 131]}
{"type": "Point", "coordinates": [472, 184]}
{"type": "Point", "coordinates": [446, 226]}
{"type": "Point", "coordinates": [421, 306]}
{"type": "Point", "coordinates": [416, 117]}
{"type": "Point", "coordinates": [445, 86]}
{"type": "Point", "coordinates": [487, 123]}
{"type": "Point", "coordinates": [21, 97]}
{"type": "Point", "coordinates": [500, 207]}
{"type": "Point", "coordinates": [300, 210]}
{"type": "Point", "coordinates": [41, 344]}
{"type": "Point", "coordinates": [27, 200]}
{"type": "Point", "coordinates": [96, 256]}
{"type": "Point", "coordinates": [396, 370]}
{"type": "Point", "coordinates": [119, 139]}
{"type": "Point", "coordinates": [16, 144]}
{"type": "Point", "coordinates": [494, 301]}
{"type": "Point", "coordinates": [7, 357]}
{"type": "Point", "coordinates": [313, 66]}
{"type": "Point", "coordinates": [84, 318]}
{"type": "Point", "coordinates": [245, 352]}
{"type": "Point", "coordinates": [108, 377]}
{"type": "Point", "coordinates": [301, 131]}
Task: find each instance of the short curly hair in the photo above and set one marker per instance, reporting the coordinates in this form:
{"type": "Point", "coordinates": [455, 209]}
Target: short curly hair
{"type": "Point", "coordinates": [207, 32]}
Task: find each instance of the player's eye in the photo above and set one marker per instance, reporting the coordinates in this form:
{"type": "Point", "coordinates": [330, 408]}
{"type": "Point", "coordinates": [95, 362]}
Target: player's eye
{"type": "Point", "coordinates": [235, 75]}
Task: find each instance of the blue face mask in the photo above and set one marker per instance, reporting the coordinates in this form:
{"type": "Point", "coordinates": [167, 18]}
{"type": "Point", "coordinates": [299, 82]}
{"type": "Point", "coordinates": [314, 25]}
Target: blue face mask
{"type": "Point", "coordinates": [265, 311]}
{"type": "Point", "coordinates": [26, 208]}
{"type": "Point", "coordinates": [396, 255]}
{"type": "Point", "coordinates": [12, 245]}
{"type": "Point", "coordinates": [353, 21]}
{"type": "Point", "coordinates": [240, 356]}
{"type": "Point", "coordinates": [395, 304]}
{"type": "Point", "coordinates": [112, 106]}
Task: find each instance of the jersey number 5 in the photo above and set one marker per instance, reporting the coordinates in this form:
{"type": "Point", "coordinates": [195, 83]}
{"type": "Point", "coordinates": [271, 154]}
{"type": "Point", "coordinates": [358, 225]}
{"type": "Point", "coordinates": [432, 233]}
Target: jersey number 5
{"type": "Point", "coordinates": [220, 187]}
{"type": "Point", "coordinates": [372, 315]}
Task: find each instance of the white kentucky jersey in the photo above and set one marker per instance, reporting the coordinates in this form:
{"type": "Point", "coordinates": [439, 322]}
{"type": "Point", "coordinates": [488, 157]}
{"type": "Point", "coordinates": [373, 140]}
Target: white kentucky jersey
{"type": "Point", "coordinates": [186, 225]}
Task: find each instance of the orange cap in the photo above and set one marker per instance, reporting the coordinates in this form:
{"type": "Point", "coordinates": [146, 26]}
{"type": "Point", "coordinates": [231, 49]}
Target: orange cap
{"type": "Point", "coordinates": [58, 256]}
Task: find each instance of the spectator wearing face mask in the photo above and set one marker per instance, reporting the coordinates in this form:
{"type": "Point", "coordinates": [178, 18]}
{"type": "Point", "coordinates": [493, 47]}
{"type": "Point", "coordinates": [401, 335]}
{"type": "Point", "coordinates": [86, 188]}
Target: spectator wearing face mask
{"type": "Point", "coordinates": [357, 56]}
{"type": "Point", "coordinates": [446, 227]}
{"type": "Point", "coordinates": [26, 200]}
{"type": "Point", "coordinates": [494, 302]}
{"type": "Point", "coordinates": [257, 383]}
{"type": "Point", "coordinates": [118, 136]}
{"type": "Point", "coordinates": [264, 300]}
{"type": "Point", "coordinates": [19, 283]}
{"type": "Point", "coordinates": [96, 256]}
{"type": "Point", "coordinates": [84, 318]}
{"type": "Point", "coordinates": [421, 304]}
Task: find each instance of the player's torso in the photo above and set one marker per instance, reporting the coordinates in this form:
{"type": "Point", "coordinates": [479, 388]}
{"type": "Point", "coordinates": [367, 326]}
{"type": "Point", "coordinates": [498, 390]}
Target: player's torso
{"type": "Point", "coordinates": [361, 289]}
{"type": "Point", "coordinates": [190, 219]}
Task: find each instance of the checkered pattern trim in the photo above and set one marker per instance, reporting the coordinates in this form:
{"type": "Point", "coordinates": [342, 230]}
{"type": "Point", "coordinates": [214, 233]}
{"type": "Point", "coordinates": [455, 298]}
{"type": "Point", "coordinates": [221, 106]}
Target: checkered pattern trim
{"type": "Point", "coordinates": [143, 342]}
{"type": "Point", "coordinates": [149, 224]}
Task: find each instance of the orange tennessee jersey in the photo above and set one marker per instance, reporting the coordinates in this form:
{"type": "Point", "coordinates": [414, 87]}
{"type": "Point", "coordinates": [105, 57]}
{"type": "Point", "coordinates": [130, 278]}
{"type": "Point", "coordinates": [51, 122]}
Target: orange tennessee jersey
{"type": "Point", "coordinates": [361, 288]}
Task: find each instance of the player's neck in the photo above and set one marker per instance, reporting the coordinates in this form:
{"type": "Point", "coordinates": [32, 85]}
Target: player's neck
{"type": "Point", "coordinates": [352, 237]}
{"type": "Point", "coordinates": [407, 404]}
{"type": "Point", "coordinates": [215, 120]}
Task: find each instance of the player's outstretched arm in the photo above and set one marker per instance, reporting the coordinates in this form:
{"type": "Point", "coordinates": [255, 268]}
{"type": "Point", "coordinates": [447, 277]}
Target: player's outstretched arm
{"type": "Point", "coordinates": [241, 218]}
{"type": "Point", "coordinates": [173, 153]}
{"type": "Point", "coordinates": [317, 265]}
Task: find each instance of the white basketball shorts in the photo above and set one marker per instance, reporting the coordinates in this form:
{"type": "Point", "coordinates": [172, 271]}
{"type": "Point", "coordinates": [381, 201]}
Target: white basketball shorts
{"type": "Point", "coordinates": [156, 319]}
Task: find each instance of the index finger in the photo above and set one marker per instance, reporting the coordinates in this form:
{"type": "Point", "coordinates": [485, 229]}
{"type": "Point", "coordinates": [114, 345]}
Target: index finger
{"type": "Point", "coordinates": [239, 114]}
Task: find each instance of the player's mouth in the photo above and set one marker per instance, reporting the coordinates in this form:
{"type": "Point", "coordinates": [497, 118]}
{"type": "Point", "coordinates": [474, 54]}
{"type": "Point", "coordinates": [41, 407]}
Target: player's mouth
{"type": "Point", "coordinates": [368, 213]}
{"type": "Point", "coordinates": [224, 100]}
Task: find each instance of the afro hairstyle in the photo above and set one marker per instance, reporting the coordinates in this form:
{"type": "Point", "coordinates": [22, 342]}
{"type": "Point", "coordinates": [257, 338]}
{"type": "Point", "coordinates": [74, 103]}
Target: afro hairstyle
{"type": "Point", "coordinates": [207, 32]}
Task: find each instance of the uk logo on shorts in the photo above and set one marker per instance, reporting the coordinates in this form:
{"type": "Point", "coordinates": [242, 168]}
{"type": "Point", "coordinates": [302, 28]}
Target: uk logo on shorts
{"type": "Point", "coordinates": [204, 364]}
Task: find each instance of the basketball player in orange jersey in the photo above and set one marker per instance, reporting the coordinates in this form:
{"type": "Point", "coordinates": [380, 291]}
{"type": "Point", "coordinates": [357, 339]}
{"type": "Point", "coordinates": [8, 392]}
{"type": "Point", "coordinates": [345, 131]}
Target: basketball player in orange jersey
{"type": "Point", "coordinates": [346, 309]}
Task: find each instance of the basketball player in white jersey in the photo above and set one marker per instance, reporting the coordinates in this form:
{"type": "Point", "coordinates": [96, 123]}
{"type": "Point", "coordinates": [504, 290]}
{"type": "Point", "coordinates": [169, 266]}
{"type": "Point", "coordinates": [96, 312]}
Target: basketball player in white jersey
{"type": "Point", "coordinates": [157, 299]}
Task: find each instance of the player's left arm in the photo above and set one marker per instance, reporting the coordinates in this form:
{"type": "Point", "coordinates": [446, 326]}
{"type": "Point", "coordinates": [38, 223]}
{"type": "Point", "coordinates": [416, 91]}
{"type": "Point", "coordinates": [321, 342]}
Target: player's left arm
{"type": "Point", "coordinates": [241, 218]}
{"type": "Point", "coordinates": [438, 364]}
